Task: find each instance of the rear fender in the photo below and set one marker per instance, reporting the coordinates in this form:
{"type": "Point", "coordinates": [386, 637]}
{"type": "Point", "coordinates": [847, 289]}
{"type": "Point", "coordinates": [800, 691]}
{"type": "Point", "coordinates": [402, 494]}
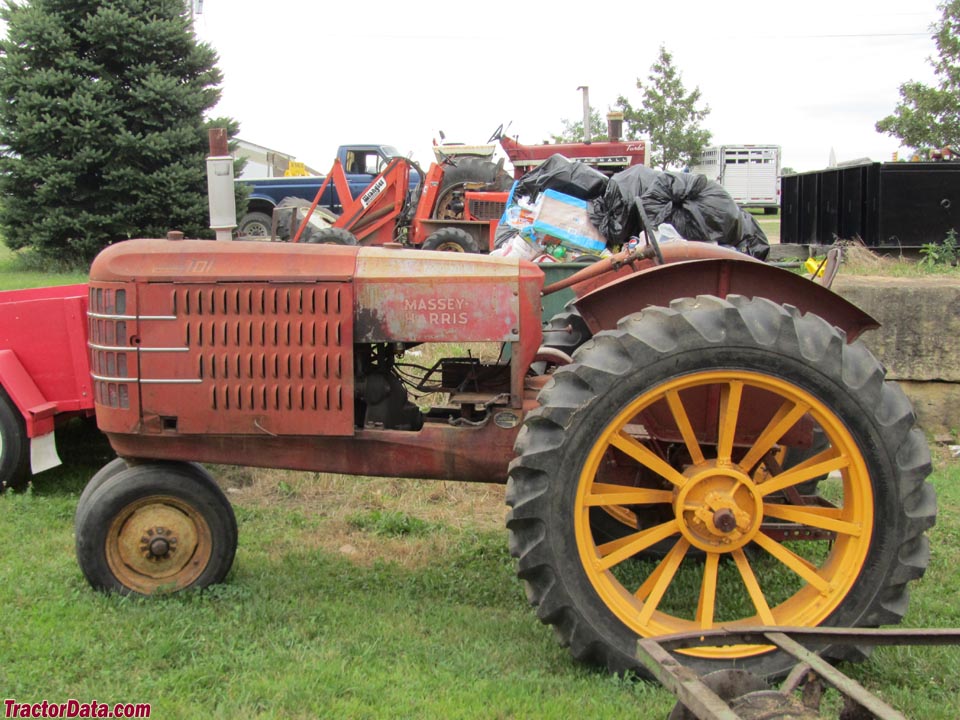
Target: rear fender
{"type": "Point", "coordinates": [602, 307]}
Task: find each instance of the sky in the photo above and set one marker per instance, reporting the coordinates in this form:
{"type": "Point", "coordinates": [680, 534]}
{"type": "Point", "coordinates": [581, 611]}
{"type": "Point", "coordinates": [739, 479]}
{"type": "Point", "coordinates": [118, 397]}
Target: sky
{"type": "Point", "coordinates": [305, 77]}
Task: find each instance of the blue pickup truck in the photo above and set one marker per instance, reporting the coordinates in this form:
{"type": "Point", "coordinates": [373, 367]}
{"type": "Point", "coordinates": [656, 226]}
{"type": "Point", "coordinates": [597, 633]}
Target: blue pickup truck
{"type": "Point", "coordinates": [360, 162]}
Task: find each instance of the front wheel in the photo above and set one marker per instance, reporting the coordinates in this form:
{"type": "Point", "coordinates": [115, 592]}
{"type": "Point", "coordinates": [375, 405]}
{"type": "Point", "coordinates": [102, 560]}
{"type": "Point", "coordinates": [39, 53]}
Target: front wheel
{"type": "Point", "coordinates": [332, 236]}
{"type": "Point", "coordinates": [155, 528]}
{"type": "Point", "coordinates": [677, 417]}
{"type": "Point", "coordinates": [451, 239]}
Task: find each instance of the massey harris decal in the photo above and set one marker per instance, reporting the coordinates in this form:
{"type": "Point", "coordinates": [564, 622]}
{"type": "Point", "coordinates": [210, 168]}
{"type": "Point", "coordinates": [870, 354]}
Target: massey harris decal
{"type": "Point", "coordinates": [437, 312]}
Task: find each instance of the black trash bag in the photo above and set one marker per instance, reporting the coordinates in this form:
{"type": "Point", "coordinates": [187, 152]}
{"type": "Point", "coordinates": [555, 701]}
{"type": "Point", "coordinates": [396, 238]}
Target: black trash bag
{"type": "Point", "coordinates": [565, 176]}
{"type": "Point", "coordinates": [614, 214]}
{"type": "Point", "coordinates": [753, 240]}
{"type": "Point", "coordinates": [698, 208]}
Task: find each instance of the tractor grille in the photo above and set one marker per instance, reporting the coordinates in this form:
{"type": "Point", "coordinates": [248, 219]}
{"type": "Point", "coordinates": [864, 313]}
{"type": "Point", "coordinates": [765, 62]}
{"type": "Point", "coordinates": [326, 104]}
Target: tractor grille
{"type": "Point", "coordinates": [486, 209]}
{"type": "Point", "coordinates": [111, 358]}
{"type": "Point", "coordinates": [258, 349]}
{"type": "Point", "coordinates": [252, 358]}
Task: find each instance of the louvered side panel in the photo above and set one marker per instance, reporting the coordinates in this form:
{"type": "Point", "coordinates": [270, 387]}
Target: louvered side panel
{"type": "Point", "coordinates": [272, 359]}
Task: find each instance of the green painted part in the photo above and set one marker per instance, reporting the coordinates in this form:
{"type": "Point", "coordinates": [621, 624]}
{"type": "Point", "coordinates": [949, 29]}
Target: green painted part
{"type": "Point", "coordinates": [554, 272]}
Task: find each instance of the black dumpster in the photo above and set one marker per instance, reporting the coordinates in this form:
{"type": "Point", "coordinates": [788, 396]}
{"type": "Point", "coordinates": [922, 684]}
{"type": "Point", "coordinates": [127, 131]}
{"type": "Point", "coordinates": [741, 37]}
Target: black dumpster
{"type": "Point", "coordinates": [886, 205]}
{"type": "Point", "coordinates": [919, 202]}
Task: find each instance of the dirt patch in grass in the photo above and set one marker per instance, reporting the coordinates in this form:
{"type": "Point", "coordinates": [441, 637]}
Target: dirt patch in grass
{"type": "Point", "coordinates": [332, 503]}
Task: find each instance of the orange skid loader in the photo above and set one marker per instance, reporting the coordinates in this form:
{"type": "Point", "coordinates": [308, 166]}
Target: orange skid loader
{"type": "Point", "coordinates": [456, 208]}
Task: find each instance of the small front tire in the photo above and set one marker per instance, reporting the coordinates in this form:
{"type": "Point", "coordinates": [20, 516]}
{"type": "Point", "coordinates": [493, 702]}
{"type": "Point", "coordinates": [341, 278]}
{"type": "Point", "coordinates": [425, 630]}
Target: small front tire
{"type": "Point", "coordinates": [332, 236]}
{"type": "Point", "coordinates": [451, 239]}
{"type": "Point", "coordinates": [155, 528]}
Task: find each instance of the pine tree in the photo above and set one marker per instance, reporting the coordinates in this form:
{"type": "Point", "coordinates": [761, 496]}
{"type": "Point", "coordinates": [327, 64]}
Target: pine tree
{"type": "Point", "coordinates": [929, 117]}
{"type": "Point", "coordinates": [103, 133]}
{"type": "Point", "coordinates": [668, 115]}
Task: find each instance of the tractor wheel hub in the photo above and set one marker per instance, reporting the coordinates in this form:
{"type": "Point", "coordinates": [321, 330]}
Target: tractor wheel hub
{"type": "Point", "coordinates": [718, 508]}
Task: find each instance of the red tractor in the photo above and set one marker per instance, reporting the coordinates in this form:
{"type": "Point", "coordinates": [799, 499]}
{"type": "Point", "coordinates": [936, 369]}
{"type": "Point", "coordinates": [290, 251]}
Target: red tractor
{"type": "Point", "coordinates": [456, 208]}
{"type": "Point", "coordinates": [697, 440]}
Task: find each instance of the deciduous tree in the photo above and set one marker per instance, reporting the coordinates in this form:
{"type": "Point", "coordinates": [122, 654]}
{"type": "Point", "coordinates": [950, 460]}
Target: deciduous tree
{"type": "Point", "coordinates": [929, 116]}
{"type": "Point", "coordinates": [668, 115]}
{"type": "Point", "coordinates": [573, 131]}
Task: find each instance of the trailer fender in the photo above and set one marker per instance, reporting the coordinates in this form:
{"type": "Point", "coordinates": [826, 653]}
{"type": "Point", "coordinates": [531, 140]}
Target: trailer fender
{"type": "Point", "coordinates": [37, 412]}
{"type": "Point", "coordinates": [602, 307]}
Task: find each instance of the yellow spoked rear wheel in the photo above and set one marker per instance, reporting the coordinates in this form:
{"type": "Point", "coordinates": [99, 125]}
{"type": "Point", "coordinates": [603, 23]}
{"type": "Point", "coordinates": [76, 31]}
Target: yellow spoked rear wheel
{"type": "Point", "coordinates": [652, 493]}
{"type": "Point", "coordinates": [718, 507]}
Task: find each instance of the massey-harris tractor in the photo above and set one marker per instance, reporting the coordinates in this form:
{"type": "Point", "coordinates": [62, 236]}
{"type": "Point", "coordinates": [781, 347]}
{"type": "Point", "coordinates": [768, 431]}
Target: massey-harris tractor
{"type": "Point", "coordinates": [696, 441]}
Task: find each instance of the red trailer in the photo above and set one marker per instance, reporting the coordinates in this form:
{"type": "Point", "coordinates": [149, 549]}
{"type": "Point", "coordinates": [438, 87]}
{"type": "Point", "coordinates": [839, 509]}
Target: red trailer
{"type": "Point", "coordinates": [44, 375]}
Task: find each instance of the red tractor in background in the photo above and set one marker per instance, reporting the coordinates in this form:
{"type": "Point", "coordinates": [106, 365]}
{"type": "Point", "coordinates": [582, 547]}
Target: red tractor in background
{"type": "Point", "coordinates": [456, 207]}
{"type": "Point", "coordinates": [696, 440]}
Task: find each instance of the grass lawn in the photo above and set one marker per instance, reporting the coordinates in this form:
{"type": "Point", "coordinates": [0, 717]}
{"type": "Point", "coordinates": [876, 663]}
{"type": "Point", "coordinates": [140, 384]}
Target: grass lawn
{"type": "Point", "coordinates": [13, 277]}
{"type": "Point", "coordinates": [355, 598]}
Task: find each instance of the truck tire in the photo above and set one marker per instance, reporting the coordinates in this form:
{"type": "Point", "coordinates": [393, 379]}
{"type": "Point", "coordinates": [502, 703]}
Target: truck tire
{"type": "Point", "coordinates": [332, 236]}
{"type": "Point", "coordinates": [255, 224]}
{"type": "Point", "coordinates": [450, 200]}
{"type": "Point", "coordinates": [590, 435]}
{"type": "Point", "coordinates": [155, 528]}
{"type": "Point", "coordinates": [14, 446]}
{"type": "Point", "coordinates": [451, 239]}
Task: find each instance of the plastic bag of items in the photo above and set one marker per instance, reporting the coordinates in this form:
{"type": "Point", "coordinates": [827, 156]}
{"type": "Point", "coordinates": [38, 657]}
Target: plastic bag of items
{"type": "Point", "coordinates": [698, 208]}
{"type": "Point", "coordinates": [555, 224]}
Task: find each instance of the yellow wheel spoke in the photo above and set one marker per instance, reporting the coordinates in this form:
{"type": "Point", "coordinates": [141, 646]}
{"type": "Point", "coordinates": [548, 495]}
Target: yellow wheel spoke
{"type": "Point", "coordinates": [604, 494]}
{"type": "Point", "coordinates": [667, 569]}
{"type": "Point", "coordinates": [727, 419]}
{"type": "Point", "coordinates": [614, 545]}
{"type": "Point", "coordinates": [686, 429]}
{"type": "Point", "coordinates": [646, 457]}
{"type": "Point", "coordinates": [813, 516]}
{"type": "Point", "coordinates": [784, 419]}
{"type": "Point", "coordinates": [753, 587]}
{"type": "Point", "coordinates": [643, 592]}
{"type": "Point", "coordinates": [805, 471]}
{"type": "Point", "coordinates": [638, 542]}
{"type": "Point", "coordinates": [801, 566]}
{"type": "Point", "coordinates": [708, 591]}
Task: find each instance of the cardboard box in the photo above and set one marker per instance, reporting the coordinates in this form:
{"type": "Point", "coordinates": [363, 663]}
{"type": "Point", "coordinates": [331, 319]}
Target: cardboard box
{"type": "Point", "coordinates": [565, 218]}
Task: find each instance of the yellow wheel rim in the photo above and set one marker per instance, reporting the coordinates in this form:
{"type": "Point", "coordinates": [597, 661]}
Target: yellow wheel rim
{"type": "Point", "coordinates": [729, 517]}
{"type": "Point", "coordinates": [158, 544]}
{"type": "Point", "coordinates": [450, 246]}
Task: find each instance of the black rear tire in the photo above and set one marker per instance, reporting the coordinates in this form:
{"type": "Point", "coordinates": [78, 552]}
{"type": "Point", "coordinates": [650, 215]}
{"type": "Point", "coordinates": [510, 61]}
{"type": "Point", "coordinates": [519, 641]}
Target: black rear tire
{"type": "Point", "coordinates": [451, 239]}
{"type": "Point", "coordinates": [332, 236]}
{"type": "Point", "coordinates": [594, 423]}
{"type": "Point", "coordinates": [14, 446]}
{"type": "Point", "coordinates": [155, 528]}
{"type": "Point", "coordinates": [450, 201]}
